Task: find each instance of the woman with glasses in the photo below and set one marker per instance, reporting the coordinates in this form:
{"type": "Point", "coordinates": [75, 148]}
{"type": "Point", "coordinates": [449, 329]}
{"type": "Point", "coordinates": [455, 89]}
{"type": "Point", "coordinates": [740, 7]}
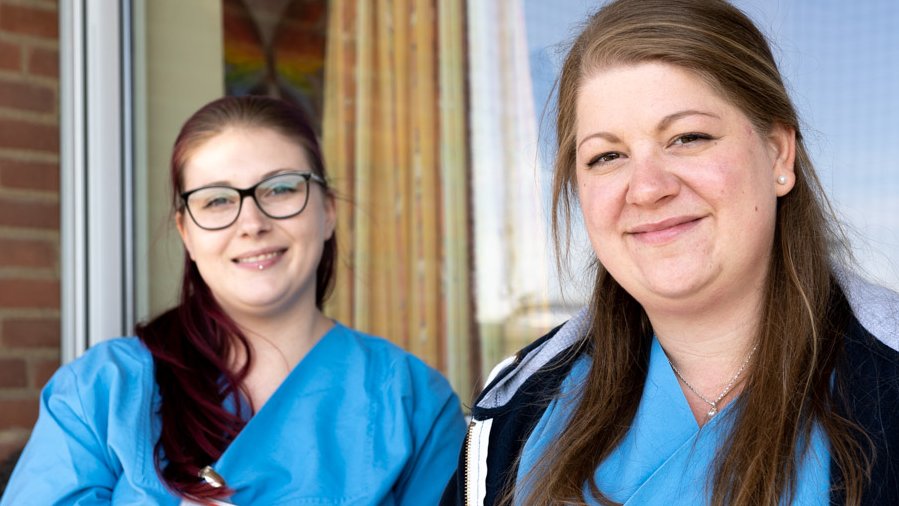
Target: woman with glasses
{"type": "Point", "coordinates": [245, 393]}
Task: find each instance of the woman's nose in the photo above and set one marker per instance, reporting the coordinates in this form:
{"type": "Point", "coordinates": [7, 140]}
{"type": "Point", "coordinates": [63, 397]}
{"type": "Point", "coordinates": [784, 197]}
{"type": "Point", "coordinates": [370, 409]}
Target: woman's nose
{"type": "Point", "coordinates": [651, 182]}
{"type": "Point", "coordinates": [252, 220]}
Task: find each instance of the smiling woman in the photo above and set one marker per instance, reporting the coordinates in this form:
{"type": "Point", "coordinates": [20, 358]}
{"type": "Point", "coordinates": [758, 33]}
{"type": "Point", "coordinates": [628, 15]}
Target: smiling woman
{"type": "Point", "coordinates": [245, 392]}
{"type": "Point", "coordinates": [728, 356]}
{"type": "Point", "coordinates": [679, 196]}
{"type": "Point", "coordinates": [273, 274]}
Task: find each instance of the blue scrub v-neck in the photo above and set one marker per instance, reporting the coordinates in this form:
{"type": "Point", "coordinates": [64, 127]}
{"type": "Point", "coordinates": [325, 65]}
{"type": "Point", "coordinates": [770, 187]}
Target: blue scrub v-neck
{"type": "Point", "coordinates": [665, 458]}
{"type": "Point", "coordinates": [357, 421]}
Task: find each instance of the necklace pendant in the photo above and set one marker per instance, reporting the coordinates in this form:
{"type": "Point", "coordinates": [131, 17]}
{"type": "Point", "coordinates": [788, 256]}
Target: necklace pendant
{"type": "Point", "coordinates": [713, 411]}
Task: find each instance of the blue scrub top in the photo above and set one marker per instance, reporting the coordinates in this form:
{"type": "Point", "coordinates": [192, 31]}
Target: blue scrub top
{"type": "Point", "coordinates": [358, 421]}
{"type": "Point", "coordinates": [665, 458]}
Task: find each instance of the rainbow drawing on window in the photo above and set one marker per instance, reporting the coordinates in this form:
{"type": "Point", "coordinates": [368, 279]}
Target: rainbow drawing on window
{"type": "Point", "coordinates": [276, 48]}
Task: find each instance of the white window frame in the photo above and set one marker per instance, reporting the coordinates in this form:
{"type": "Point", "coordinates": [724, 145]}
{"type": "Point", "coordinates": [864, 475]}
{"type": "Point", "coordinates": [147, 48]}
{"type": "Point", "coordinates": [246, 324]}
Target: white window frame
{"type": "Point", "coordinates": [96, 164]}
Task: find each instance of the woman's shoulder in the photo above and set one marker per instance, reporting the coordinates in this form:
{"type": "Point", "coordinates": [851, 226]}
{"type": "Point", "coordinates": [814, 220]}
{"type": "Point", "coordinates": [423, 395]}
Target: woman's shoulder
{"type": "Point", "coordinates": [94, 426]}
{"type": "Point", "coordinates": [870, 378]}
{"type": "Point", "coordinates": [875, 307]}
{"type": "Point", "coordinates": [537, 369]}
{"type": "Point", "coordinates": [389, 365]}
{"type": "Point", "coordinates": [123, 355]}
{"type": "Point", "coordinates": [110, 372]}
{"type": "Point", "coordinates": [376, 349]}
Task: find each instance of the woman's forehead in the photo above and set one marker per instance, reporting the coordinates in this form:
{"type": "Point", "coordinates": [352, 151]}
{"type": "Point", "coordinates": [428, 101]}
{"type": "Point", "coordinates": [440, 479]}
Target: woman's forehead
{"type": "Point", "coordinates": [241, 156]}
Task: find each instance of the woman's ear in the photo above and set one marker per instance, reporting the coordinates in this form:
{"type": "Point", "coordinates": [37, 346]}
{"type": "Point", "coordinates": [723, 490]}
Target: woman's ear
{"type": "Point", "coordinates": [782, 145]}
{"type": "Point", "coordinates": [330, 215]}
{"type": "Point", "coordinates": [180, 216]}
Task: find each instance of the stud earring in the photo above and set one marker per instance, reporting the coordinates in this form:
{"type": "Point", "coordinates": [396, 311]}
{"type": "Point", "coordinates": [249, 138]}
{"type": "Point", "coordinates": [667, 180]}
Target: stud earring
{"type": "Point", "coordinates": [781, 179]}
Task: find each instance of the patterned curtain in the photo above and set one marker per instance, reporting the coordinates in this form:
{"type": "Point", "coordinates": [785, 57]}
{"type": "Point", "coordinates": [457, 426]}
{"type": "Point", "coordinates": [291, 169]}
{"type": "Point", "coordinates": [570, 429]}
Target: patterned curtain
{"type": "Point", "coordinates": [395, 142]}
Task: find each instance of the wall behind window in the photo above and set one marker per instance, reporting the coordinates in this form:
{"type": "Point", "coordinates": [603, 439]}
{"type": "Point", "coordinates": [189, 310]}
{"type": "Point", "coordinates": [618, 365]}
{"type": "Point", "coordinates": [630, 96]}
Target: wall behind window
{"type": "Point", "coordinates": [178, 67]}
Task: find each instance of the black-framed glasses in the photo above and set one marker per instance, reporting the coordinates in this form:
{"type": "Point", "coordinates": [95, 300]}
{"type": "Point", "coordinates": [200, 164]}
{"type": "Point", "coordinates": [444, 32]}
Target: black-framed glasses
{"type": "Point", "coordinates": [281, 196]}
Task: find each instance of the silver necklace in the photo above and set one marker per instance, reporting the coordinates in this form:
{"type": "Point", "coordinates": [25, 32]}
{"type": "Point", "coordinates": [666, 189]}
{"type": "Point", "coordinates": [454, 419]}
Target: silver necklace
{"type": "Point", "coordinates": [713, 405]}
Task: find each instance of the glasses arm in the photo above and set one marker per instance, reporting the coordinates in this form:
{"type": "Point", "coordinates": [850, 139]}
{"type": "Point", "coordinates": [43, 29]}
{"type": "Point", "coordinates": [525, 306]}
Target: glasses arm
{"type": "Point", "coordinates": [315, 177]}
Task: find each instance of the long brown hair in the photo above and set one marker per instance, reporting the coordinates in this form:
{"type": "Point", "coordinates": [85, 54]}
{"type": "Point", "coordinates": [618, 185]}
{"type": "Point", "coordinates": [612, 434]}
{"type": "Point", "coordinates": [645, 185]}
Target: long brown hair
{"type": "Point", "coordinates": [191, 343]}
{"type": "Point", "coordinates": [804, 314]}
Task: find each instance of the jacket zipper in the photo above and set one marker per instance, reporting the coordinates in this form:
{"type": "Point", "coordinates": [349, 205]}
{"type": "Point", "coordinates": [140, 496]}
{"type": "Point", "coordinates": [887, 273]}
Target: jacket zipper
{"type": "Point", "coordinates": [476, 443]}
{"type": "Point", "coordinates": [473, 490]}
{"type": "Point", "coordinates": [469, 495]}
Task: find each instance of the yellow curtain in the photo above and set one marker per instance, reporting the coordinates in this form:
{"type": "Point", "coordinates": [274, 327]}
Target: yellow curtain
{"type": "Point", "coordinates": [395, 142]}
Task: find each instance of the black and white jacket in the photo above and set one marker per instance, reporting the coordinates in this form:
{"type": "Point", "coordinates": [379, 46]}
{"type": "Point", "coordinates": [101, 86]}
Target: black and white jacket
{"type": "Point", "coordinates": [521, 386]}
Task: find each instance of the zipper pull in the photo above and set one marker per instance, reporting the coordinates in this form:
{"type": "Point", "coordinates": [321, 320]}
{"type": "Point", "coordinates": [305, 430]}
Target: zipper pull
{"type": "Point", "coordinates": [211, 477]}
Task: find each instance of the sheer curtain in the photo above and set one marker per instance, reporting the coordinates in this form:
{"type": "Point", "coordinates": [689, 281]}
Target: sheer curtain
{"type": "Point", "coordinates": [514, 270]}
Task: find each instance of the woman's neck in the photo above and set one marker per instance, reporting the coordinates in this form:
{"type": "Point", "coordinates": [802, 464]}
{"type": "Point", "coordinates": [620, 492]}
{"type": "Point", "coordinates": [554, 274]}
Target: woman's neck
{"type": "Point", "coordinates": [720, 328]}
{"type": "Point", "coordinates": [709, 350]}
{"type": "Point", "coordinates": [277, 346]}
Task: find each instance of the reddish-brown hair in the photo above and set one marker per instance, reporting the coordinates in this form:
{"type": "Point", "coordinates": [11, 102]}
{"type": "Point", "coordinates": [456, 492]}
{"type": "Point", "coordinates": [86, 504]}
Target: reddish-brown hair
{"type": "Point", "coordinates": [191, 343]}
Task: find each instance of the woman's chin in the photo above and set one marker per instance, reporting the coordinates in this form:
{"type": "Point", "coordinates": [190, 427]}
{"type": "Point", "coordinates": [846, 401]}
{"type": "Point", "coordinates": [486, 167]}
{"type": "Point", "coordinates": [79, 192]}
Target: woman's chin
{"type": "Point", "coordinates": [671, 288]}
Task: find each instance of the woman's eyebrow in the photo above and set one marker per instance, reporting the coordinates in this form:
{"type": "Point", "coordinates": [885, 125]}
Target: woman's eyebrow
{"type": "Point", "coordinates": [663, 124]}
{"type": "Point", "coordinates": [671, 118]}
{"type": "Point", "coordinates": [602, 135]}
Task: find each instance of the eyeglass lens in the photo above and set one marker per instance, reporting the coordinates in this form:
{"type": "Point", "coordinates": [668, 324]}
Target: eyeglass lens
{"type": "Point", "coordinates": [281, 196]}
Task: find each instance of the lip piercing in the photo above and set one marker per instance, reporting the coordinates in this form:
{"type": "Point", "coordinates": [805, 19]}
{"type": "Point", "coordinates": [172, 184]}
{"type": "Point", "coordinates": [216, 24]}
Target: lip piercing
{"type": "Point", "coordinates": [261, 267]}
{"type": "Point", "coordinates": [782, 179]}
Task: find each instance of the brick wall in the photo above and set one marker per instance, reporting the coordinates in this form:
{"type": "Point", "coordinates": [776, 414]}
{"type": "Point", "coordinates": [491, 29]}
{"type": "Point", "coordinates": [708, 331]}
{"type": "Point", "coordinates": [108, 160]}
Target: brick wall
{"type": "Point", "coordinates": [29, 211]}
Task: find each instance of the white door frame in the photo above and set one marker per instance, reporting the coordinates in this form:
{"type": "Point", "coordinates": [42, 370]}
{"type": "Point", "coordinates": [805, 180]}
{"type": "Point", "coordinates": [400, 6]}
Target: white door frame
{"type": "Point", "coordinates": [96, 160]}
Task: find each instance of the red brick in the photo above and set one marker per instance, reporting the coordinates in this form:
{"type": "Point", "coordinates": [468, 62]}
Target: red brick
{"type": "Point", "coordinates": [42, 370]}
{"type": "Point", "coordinates": [13, 373]}
{"type": "Point", "coordinates": [12, 447]}
{"type": "Point", "coordinates": [27, 253]}
{"type": "Point", "coordinates": [27, 97]}
{"type": "Point", "coordinates": [22, 134]}
{"type": "Point", "coordinates": [10, 56]}
{"type": "Point", "coordinates": [43, 62]}
{"type": "Point", "coordinates": [27, 20]}
{"type": "Point", "coordinates": [31, 333]}
{"type": "Point", "coordinates": [18, 413]}
{"type": "Point", "coordinates": [17, 213]}
{"type": "Point", "coordinates": [31, 293]}
{"type": "Point", "coordinates": [29, 175]}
